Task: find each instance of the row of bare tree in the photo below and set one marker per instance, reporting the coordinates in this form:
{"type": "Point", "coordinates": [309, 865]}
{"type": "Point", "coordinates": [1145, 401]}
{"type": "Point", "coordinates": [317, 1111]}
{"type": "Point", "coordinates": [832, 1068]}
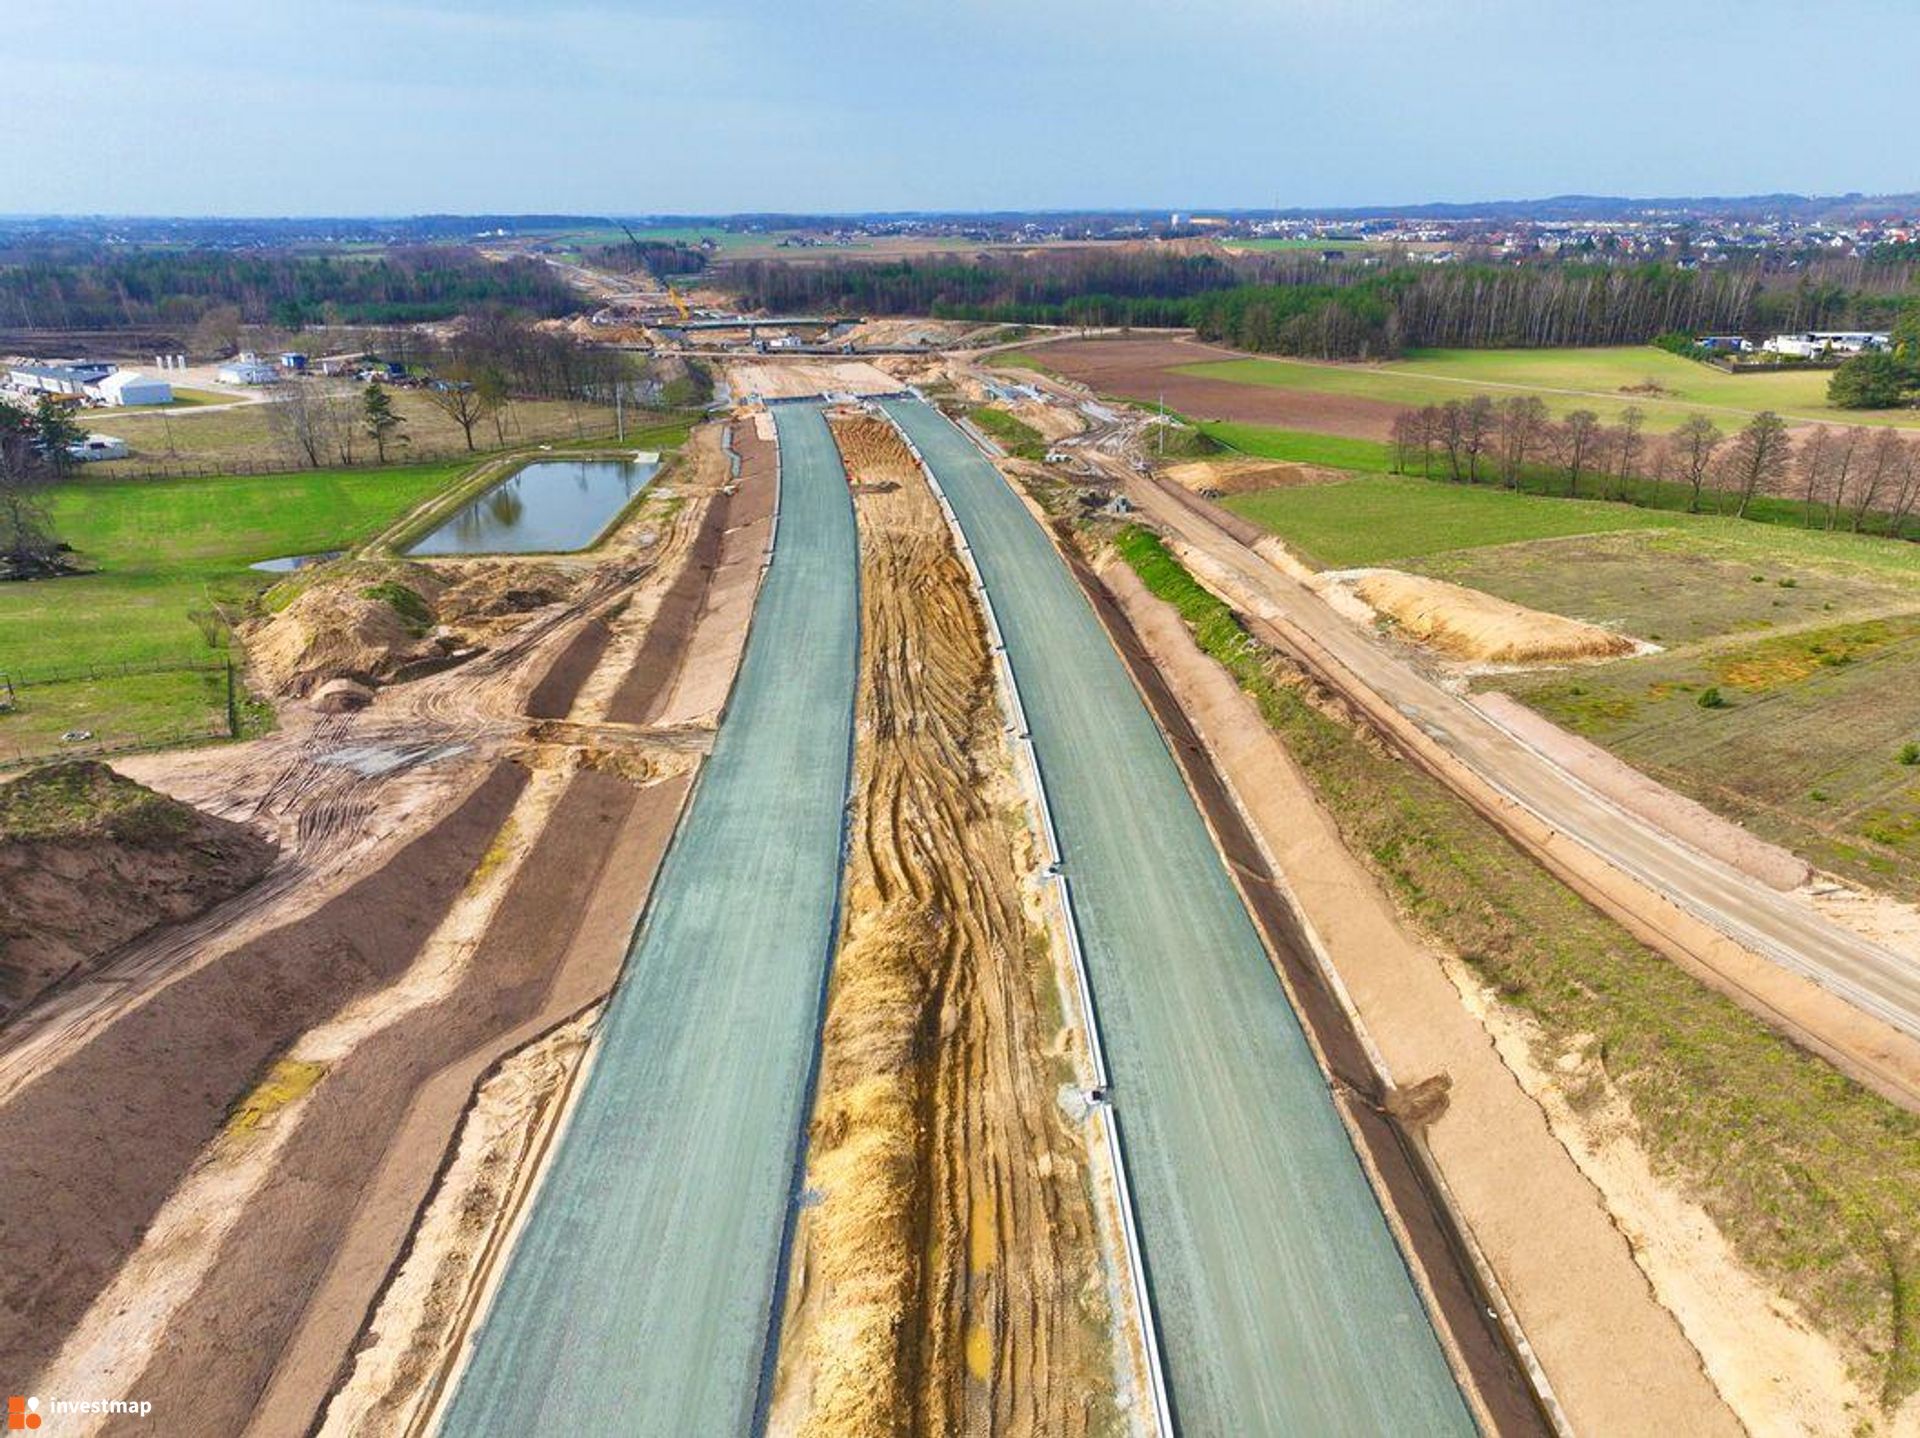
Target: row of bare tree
{"type": "Point", "coordinates": [1850, 475]}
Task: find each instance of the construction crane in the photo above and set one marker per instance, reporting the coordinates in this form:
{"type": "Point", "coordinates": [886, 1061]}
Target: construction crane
{"type": "Point", "coordinates": [639, 255]}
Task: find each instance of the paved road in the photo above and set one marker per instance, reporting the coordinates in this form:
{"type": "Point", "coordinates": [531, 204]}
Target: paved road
{"type": "Point", "coordinates": [1283, 1304]}
{"type": "Point", "coordinates": [638, 1295]}
{"type": "Point", "coordinates": [1761, 919]}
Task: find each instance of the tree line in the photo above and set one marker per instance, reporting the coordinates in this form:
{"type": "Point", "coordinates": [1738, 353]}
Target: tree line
{"type": "Point", "coordinates": [146, 289]}
{"type": "Point", "coordinates": [1858, 478]}
{"type": "Point", "coordinates": [1289, 303]}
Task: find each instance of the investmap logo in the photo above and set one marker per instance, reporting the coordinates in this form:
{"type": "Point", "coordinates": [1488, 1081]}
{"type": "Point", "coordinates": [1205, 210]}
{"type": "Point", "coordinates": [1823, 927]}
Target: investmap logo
{"type": "Point", "coordinates": [24, 1414]}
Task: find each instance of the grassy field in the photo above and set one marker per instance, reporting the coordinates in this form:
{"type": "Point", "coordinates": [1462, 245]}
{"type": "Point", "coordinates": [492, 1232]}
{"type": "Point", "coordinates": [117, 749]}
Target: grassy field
{"type": "Point", "coordinates": [186, 441]}
{"type": "Point", "coordinates": [1362, 456]}
{"type": "Point", "coordinates": [1809, 1176]}
{"type": "Point", "coordinates": [1389, 519]}
{"type": "Point", "coordinates": [1011, 433]}
{"type": "Point", "coordinates": [162, 548]}
{"type": "Point", "coordinates": [1566, 379]}
{"type": "Point", "coordinates": [1805, 746]}
{"type": "Point", "coordinates": [1695, 582]}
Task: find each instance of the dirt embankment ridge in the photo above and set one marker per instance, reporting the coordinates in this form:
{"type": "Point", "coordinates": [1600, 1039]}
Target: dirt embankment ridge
{"type": "Point", "coordinates": [948, 1280]}
{"type": "Point", "coordinates": [1467, 624]}
{"type": "Point", "coordinates": [90, 861]}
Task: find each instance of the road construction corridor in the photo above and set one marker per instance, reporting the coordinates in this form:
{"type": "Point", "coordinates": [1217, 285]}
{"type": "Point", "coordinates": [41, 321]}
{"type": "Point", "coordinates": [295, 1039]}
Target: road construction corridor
{"type": "Point", "coordinates": [638, 1294]}
{"type": "Point", "coordinates": [1282, 1302]}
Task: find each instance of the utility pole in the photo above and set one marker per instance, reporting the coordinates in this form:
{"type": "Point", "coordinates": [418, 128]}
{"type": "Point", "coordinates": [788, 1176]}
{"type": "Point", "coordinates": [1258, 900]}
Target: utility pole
{"type": "Point", "coordinates": [1163, 424]}
{"type": "Point", "coordinates": [620, 408]}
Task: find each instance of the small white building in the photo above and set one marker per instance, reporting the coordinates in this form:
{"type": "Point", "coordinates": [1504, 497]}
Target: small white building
{"type": "Point", "coordinates": [248, 368]}
{"type": "Point", "coordinates": [124, 387]}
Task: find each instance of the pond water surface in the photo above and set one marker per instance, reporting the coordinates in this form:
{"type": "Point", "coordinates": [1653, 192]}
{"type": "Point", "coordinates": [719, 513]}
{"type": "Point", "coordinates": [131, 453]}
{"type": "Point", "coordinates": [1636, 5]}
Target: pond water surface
{"type": "Point", "coordinates": [551, 506]}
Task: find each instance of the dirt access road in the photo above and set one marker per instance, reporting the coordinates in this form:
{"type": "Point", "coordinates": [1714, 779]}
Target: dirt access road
{"type": "Point", "coordinates": [1848, 998]}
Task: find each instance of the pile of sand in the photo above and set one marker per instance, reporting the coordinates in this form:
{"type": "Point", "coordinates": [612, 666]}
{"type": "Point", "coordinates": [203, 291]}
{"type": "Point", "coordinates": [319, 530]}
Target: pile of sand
{"type": "Point", "coordinates": [1466, 624]}
{"type": "Point", "coordinates": [90, 861]}
{"type": "Point", "coordinates": [1244, 475]}
{"type": "Point", "coordinates": [358, 625]}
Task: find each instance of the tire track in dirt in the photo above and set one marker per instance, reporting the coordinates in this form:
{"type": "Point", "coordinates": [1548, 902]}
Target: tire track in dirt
{"type": "Point", "coordinates": [948, 1281]}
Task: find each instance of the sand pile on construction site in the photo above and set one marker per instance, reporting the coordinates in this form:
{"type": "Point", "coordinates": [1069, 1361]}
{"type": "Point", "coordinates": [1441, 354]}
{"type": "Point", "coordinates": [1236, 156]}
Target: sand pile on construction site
{"type": "Point", "coordinates": [358, 624]}
{"type": "Point", "coordinates": [1466, 624]}
{"type": "Point", "coordinates": [90, 861]}
{"type": "Point", "coordinates": [1241, 475]}
{"type": "Point", "coordinates": [865, 1162]}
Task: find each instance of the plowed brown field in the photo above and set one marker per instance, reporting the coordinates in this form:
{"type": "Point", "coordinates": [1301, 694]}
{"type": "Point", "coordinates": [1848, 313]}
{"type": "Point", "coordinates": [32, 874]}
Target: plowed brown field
{"type": "Point", "coordinates": [1148, 370]}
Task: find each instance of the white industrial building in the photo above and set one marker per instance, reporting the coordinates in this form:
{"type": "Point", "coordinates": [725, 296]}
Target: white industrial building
{"type": "Point", "coordinates": [75, 379]}
{"type": "Point", "coordinates": [248, 368]}
{"type": "Point", "coordinates": [131, 387]}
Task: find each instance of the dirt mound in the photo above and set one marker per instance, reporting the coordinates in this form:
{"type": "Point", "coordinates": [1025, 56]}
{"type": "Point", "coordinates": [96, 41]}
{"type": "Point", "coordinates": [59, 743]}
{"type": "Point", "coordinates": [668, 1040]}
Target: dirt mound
{"type": "Point", "coordinates": [1466, 624]}
{"type": "Point", "coordinates": [90, 861]}
{"type": "Point", "coordinates": [356, 625]}
{"type": "Point", "coordinates": [1244, 476]}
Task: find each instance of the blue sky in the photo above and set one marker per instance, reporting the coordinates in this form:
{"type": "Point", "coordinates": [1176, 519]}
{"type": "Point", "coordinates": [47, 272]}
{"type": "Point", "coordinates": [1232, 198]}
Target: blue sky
{"type": "Point", "coordinates": [408, 106]}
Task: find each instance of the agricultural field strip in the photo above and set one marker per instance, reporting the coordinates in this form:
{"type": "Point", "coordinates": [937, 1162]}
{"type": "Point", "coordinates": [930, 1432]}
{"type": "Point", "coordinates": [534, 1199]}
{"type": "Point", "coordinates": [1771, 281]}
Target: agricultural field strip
{"type": "Point", "coordinates": [639, 1295]}
{"type": "Point", "coordinates": [1407, 382]}
{"type": "Point", "coordinates": [1282, 1302]}
{"type": "Point", "coordinates": [1773, 925]}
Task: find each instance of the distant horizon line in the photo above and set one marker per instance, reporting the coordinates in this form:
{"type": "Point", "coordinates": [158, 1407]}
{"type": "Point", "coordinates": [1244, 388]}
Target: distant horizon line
{"type": "Point", "coordinates": [1433, 208]}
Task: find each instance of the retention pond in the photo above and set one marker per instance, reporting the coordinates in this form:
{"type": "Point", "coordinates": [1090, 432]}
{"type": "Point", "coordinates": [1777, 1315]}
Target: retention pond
{"type": "Point", "coordinates": [550, 506]}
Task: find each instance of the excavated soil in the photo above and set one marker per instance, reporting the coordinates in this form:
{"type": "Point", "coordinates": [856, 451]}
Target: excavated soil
{"type": "Point", "coordinates": [948, 1280]}
{"type": "Point", "coordinates": [90, 861]}
{"type": "Point", "coordinates": [272, 1263]}
{"type": "Point", "coordinates": [113, 1127]}
{"type": "Point", "coordinates": [1148, 370]}
{"type": "Point", "coordinates": [1467, 624]}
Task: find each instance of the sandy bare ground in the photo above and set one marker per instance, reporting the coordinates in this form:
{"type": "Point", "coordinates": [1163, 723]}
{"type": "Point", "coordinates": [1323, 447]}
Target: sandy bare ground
{"type": "Point", "coordinates": [200, 1235]}
{"type": "Point", "coordinates": [1244, 475]}
{"type": "Point", "coordinates": [948, 1280]}
{"type": "Point", "coordinates": [1586, 1308]}
{"type": "Point", "coordinates": [1147, 370]}
{"type": "Point", "coordinates": [1465, 624]}
{"type": "Point", "coordinates": [801, 378]}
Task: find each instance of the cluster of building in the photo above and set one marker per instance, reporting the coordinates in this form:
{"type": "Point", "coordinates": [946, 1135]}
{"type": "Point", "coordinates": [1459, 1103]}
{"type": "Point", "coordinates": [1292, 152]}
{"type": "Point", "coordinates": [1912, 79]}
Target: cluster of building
{"type": "Point", "coordinates": [1805, 345]}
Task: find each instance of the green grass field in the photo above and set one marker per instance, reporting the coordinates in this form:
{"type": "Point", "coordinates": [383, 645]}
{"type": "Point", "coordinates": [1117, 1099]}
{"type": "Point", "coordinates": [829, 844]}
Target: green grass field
{"type": "Point", "coordinates": [1566, 379]}
{"type": "Point", "coordinates": [161, 548]}
{"type": "Point", "coordinates": [1390, 519]}
{"type": "Point", "coordinates": [1010, 432]}
{"type": "Point", "coordinates": [1362, 456]}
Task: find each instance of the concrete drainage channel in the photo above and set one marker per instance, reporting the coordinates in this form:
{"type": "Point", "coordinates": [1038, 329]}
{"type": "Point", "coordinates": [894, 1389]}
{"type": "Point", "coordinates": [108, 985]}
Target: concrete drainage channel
{"type": "Point", "coordinates": [1099, 1092]}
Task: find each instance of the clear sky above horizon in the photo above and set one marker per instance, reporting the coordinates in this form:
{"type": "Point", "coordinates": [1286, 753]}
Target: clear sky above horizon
{"type": "Point", "coordinates": [258, 107]}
